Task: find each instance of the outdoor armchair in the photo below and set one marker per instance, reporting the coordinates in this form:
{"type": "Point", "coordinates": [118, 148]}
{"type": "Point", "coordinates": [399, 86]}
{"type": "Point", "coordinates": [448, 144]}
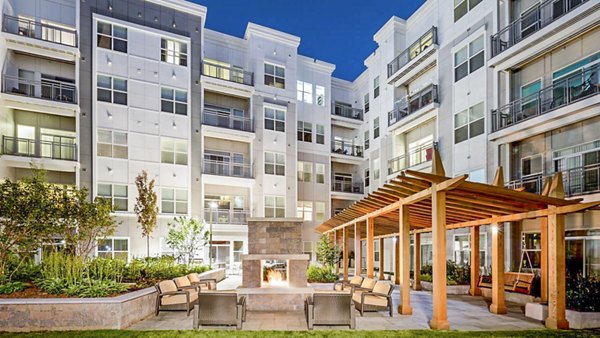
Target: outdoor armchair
{"type": "Point", "coordinates": [205, 284]}
{"type": "Point", "coordinates": [170, 298]}
{"type": "Point", "coordinates": [356, 281]}
{"type": "Point", "coordinates": [220, 308]}
{"type": "Point", "coordinates": [330, 308]}
{"type": "Point", "coordinates": [183, 283]}
{"type": "Point", "coordinates": [380, 298]}
{"type": "Point", "coordinates": [367, 284]}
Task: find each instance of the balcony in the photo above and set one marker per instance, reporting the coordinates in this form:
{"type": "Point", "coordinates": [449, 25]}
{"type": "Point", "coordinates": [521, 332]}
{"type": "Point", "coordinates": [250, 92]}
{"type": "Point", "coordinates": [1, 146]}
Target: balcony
{"type": "Point", "coordinates": [230, 73]}
{"type": "Point", "coordinates": [225, 168]}
{"type": "Point", "coordinates": [46, 89]}
{"type": "Point", "coordinates": [39, 31]}
{"type": "Point", "coordinates": [585, 83]}
{"type": "Point", "coordinates": [64, 149]}
{"type": "Point", "coordinates": [531, 21]}
{"type": "Point", "coordinates": [347, 186]}
{"type": "Point", "coordinates": [230, 119]}
{"type": "Point", "coordinates": [222, 216]}
{"type": "Point", "coordinates": [415, 156]}
{"type": "Point", "coordinates": [577, 181]}
{"type": "Point", "coordinates": [411, 104]}
{"type": "Point", "coordinates": [420, 50]}
{"type": "Point", "coordinates": [347, 111]}
{"type": "Point", "coordinates": [345, 147]}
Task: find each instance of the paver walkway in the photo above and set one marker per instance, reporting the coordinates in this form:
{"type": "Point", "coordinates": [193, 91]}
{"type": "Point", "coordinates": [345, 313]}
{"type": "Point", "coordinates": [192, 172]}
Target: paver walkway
{"type": "Point", "coordinates": [464, 313]}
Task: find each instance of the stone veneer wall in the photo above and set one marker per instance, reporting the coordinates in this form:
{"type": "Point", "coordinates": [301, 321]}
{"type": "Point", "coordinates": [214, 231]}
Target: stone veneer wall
{"type": "Point", "coordinates": [274, 236]}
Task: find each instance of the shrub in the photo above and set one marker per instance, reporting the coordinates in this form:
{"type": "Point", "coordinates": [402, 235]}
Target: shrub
{"type": "Point", "coordinates": [455, 274]}
{"type": "Point", "coordinates": [321, 274]}
{"type": "Point", "coordinates": [583, 293]}
{"type": "Point", "coordinates": [22, 269]}
{"type": "Point", "coordinates": [148, 271]}
{"type": "Point", "coordinates": [11, 287]}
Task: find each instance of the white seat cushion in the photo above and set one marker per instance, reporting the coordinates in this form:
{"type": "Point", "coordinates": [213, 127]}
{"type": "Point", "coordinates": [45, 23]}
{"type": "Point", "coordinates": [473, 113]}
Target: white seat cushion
{"type": "Point", "coordinates": [179, 299]}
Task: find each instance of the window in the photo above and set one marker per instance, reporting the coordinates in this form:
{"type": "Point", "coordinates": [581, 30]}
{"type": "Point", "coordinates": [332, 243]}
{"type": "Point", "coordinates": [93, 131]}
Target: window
{"type": "Point", "coordinates": [320, 95]}
{"type": "Point", "coordinates": [304, 210]}
{"type": "Point", "coordinates": [173, 151]}
{"type": "Point", "coordinates": [174, 52]}
{"type": "Point", "coordinates": [116, 194]}
{"type": "Point", "coordinates": [115, 248]}
{"type": "Point", "coordinates": [112, 144]}
{"type": "Point", "coordinates": [426, 251]}
{"type": "Point", "coordinates": [531, 244]}
{"type": "Point", "coordinates": [274, 206]}
{"type": "Point", "coordinates": [274, 119]}
{"type": "Point", "coordinates": [367, 178]}
{"type": "Point", "coordinates": [462, 249]}
{"type": "Point", "coordinates": [376, 169]}
{"type": "Point", "coordinates": [531, 165]}
{"type": "Point", "coordinates": [274, 76]}
{"type": "Point", "coordinates": [174, 201]}
{"type": "Point", "coordinates": [469, 123]}
{"type": "Point", "coordinates": [173, 101]}
{"type": "Point", "coordinates": [320, 172]}
{"type": "Point", "coordinates": [238, 251]}
{"type": "Point", "coordinates": [376, 250]}
{"type": "Point", "coordinates": [319, 211]}
{"type": "Point", "coordinates": [376, 127]}
{"type": "Point", "coordinates": [304, 131]}
{"type": "Point", "coordinates": [529, 99]}
{"type": "Point", "coordinates": [112, 37]}
{"type": "Point", "coordinates": [366, 139]}
{"type": "Point", "coordinates": [308, 249]}
{"type": "Point", "coordinates": [320, 134]}
{"type": "Point", "coordinates": [461, 7]}
{"type": "Point", "coordinates": [274, 164]}
{"type": "Point", "coordinates": [366, 103]}
{"type": "Point", "coordinates": [376, 87]}
{"type": "Point", "coordinates": [304, 171]}
{"type": "Point", "coordinates": [582, 249]}
{"type": "Point", "coordinates": [111, 89]}
{"type": "Point", "coordinates": [468, 59]}
{"type": "Point", "coordinates": [304, 92]}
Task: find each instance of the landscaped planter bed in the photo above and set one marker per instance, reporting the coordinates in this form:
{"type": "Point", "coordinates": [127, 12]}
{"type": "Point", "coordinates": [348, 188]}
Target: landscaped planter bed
{"type": "Point", "coordinates": [450, 289]}
{"type": "Point", "coordinates": [577, 320]}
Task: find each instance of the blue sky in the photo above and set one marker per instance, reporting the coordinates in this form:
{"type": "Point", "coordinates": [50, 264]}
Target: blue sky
{"type": "Point", "coordinates": [336, 31]}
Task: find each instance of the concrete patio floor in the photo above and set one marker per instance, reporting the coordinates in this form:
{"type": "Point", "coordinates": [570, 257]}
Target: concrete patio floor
{"type": "Point", "coordinates": [464, 313]}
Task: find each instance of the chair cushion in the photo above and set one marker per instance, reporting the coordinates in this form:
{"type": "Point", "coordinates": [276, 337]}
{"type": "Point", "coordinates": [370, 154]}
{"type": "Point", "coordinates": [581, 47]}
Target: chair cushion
{"type": "Point", "coordinates": [167, 286]}
{"type": "Point", "coordinates": [193, 277]}
{"type": "Point", "coordinates": [182, 281]}
{"type": "Point", "coordinates": [382, 287]}
{"type": "Point", "coordinates": [368, 283]}
{"type": "Point", "coordinates": [370, 299]}
{"type": "Point", "coordinates": [338, 287]}
{"type": "Point", "coordinates": [179, 299]}
{"type": "Point", "coordinates": [356, 280]}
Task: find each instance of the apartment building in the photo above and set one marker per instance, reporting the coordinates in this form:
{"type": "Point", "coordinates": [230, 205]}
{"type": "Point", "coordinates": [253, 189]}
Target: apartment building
{"type": "Point", "coordinates": [233, 127]}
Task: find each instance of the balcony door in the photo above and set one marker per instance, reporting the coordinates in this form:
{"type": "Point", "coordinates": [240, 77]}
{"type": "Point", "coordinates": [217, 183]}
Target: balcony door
{"type": "Point", "coordinates": [25, 140]}
{"type": "Point", "coordinates": [581, 172]}
{"type": "Point", "coordinates": [342, 182]}
{"type": "Point", "coordinates": [58, 144]}
{"type": "Point", "coordinates": [217, 163]}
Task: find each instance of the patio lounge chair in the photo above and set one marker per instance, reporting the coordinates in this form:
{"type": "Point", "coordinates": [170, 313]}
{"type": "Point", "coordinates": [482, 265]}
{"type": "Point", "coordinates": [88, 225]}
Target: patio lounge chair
{"type": "Point", "coordinates": [380, 298]}
{"type": "Point", "coordinates": [170, 298]}
{"type": "Point", "coordinates": [342, 285]}
{"type": "Point", "coordinates": [220, 308]}
{"type": "Point", "coordinates": [330, 308]}
{"type": "Point", "coordinates": [367, 285]}
{"type": "Point", "coordinates": [205, 284]}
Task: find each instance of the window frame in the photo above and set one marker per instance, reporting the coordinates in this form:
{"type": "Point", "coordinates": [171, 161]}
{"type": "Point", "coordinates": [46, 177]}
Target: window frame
{"type": "Point", "coordinates": [275, 119]}
{"type": "Point", "coordinates": [174, 150]}
{"type": "Point", "coordinates": [179, 57]}
{"type": "Point", "coordinates": [319, 174]}
{"type": "Point", "coordinates": [305, 131]}
{"type": "Point", "coordinates": [304, 92]}
{"type": "Point", "coordinates": [469, 123]}
{"type": "Point", "coordinates": [530, 157]}
{"type": "Point", "coordinates": [112, 252]}
{"type": "Point", "coordinates": [376, 128]}
{"type": "Point", "coordinates": [469, 57]}
{"type": "Point", "coordinates": [305, 210]}
{"type": "Point", "coordinates": [366, 103]}
{"type": "Point", "coordinates": [112, 197]}
{"type": "Point", "coordinates": [274, 75]}
{"type": "Point", "coordinates": [173, 102]}
{"type": "Point", "coordinates": [175, 201]}
{"type": "Point", "coordinates": [112, 36]}
{"type": "Point", "coordinates": [113, 144]}
{"type": "Point", "coordinates": [304, 175]}
{"type": "Point", "coordinates": [112, 91]}
{"type": "Point", "coordinates": [275, 163]}
{"type": "Point", "coordinates": [320, 94]}
{"type": "Point", "coordinates": [376, 85]}
{"type": "Point", "coordinates": [275, 206]}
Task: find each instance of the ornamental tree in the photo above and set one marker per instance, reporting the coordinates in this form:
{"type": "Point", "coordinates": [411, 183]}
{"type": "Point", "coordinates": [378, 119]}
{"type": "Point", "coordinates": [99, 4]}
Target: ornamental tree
{"type": "Point", "coordinates": [186, 236]}
{"type": "Point", "coordinates": [327, 253]}
{"type": "Point", "coordinates": [146, 207]}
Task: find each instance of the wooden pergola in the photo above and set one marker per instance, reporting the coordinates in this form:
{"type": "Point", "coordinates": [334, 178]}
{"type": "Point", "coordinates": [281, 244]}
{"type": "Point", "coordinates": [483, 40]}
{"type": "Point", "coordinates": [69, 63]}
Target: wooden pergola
{"type": "Point", "coordinates": [416, 202]}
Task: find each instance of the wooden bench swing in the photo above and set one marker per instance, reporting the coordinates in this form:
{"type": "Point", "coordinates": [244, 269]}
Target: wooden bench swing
{"type": "Point", "coordinates": [520, 282]}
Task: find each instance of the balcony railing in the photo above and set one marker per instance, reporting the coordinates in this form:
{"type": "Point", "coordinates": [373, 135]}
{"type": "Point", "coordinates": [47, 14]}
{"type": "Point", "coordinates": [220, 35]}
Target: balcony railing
{"type": "Point", "coordinates": [223, 168]}
{"type": "Point", "coordinates": [414, 157]}
{"type": "Point", "coordinates": [576, 181]}
{"type": "Point", "coordinates": [531, 21]}
{"type": "Point", "coordinates": [414, 50]}
{"type": "Point", "coordinates": [413, 103]}
{"type": "Point", "coordinates": [220, 216]}
{"type": "Point", "coordinates": [562, 92]}
{"type": "Point", "coordinates": [347, 186]}
{"type": "Point", "coordinates": [62, 150]}
{"type": "Point", "coordinates": [344, 147]}
{"type": "Point", "coordinates": [347, 111]}
{"type": "Point", "coordinates": [45, 89]}
{"type": "Point", "coordinates": [223, 119]}
{"type": "Point", "coordinates": [232, 74]}
{"type": "Point", "coordinates": [39, 31]}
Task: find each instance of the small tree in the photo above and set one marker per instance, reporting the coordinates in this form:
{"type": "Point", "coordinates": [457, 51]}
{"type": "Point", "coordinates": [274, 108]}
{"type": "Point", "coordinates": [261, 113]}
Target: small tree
{"type": "Point", "coordinates": [186, 236]}
{"type": "Point", "coordinates": [327, 254]}
{"type": "Point", "coordinates": [146, 206]}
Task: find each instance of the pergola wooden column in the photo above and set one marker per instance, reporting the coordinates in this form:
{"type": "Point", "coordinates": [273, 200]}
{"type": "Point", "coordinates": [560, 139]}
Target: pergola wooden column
{"type": "Point", "coordinates": [421, 202]}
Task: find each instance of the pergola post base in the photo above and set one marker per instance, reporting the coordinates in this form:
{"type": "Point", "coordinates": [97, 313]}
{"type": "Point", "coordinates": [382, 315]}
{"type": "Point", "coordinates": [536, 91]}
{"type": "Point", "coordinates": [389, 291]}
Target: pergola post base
{"type": "Point", "coordinates": [557, 324]}
{"type": "Point", "coordinates": [439, 324]}
{"type": "Point", "coordinates": [498, 309]}
{"type": "Point", "coordinates": [405, 310]}
{"type": "Point", "coordinates": [417, 287]}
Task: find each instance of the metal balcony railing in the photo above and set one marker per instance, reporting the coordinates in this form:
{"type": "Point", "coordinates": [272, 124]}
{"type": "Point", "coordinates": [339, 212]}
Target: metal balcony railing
{"type": "Point", "coordinates": [347, 111]}
{"type": "Point", "coordinates": [344, 147]}
{"type": "Point", "coordinates": [45, 89]}
{"type": "Point", "coordinates": [414, 50]}
{"type": "Point", "coordinates": [562, 92]}
{"type": "Point", "coordinates": [576, 181]}
{"type": "Point", "coordinates": [221, 216]}
{"type": "Point", "coordinates": [531, 21]}
{"type": "Point", "coordinates": [413, 103]}
{"type": "Point", "coordinates": [224, 119]}
{"type": "Point", "coordinates": [39, 31]}
{"type": "Point", "coordinates": [347, 186]}
{"type": "Point", "coordinates": [233, 74]}
{"type": "Point", "coordinates": [416, 156]}
{"type": "Point", "coordinates": [62, 150]}
{"type": "Point", "coordinates": [223, 168]}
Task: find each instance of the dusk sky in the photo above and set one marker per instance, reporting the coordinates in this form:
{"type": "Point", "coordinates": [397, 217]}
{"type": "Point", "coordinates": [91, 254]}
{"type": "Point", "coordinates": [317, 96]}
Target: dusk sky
{"type": "Point", "coordinates": [336, 31]}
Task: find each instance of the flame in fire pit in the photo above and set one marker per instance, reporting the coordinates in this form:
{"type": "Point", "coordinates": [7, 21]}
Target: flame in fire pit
{"type": "Point", "coordinates": [275, 278]}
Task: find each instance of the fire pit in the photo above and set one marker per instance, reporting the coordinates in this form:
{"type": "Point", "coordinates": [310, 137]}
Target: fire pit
{"type": "Point", "coordinates": [274, 273]}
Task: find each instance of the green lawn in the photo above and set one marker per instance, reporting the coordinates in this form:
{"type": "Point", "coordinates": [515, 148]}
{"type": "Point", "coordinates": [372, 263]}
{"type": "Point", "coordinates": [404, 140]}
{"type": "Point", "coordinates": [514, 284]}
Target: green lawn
{"type": "Point", "coordinates": [292, 334]}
